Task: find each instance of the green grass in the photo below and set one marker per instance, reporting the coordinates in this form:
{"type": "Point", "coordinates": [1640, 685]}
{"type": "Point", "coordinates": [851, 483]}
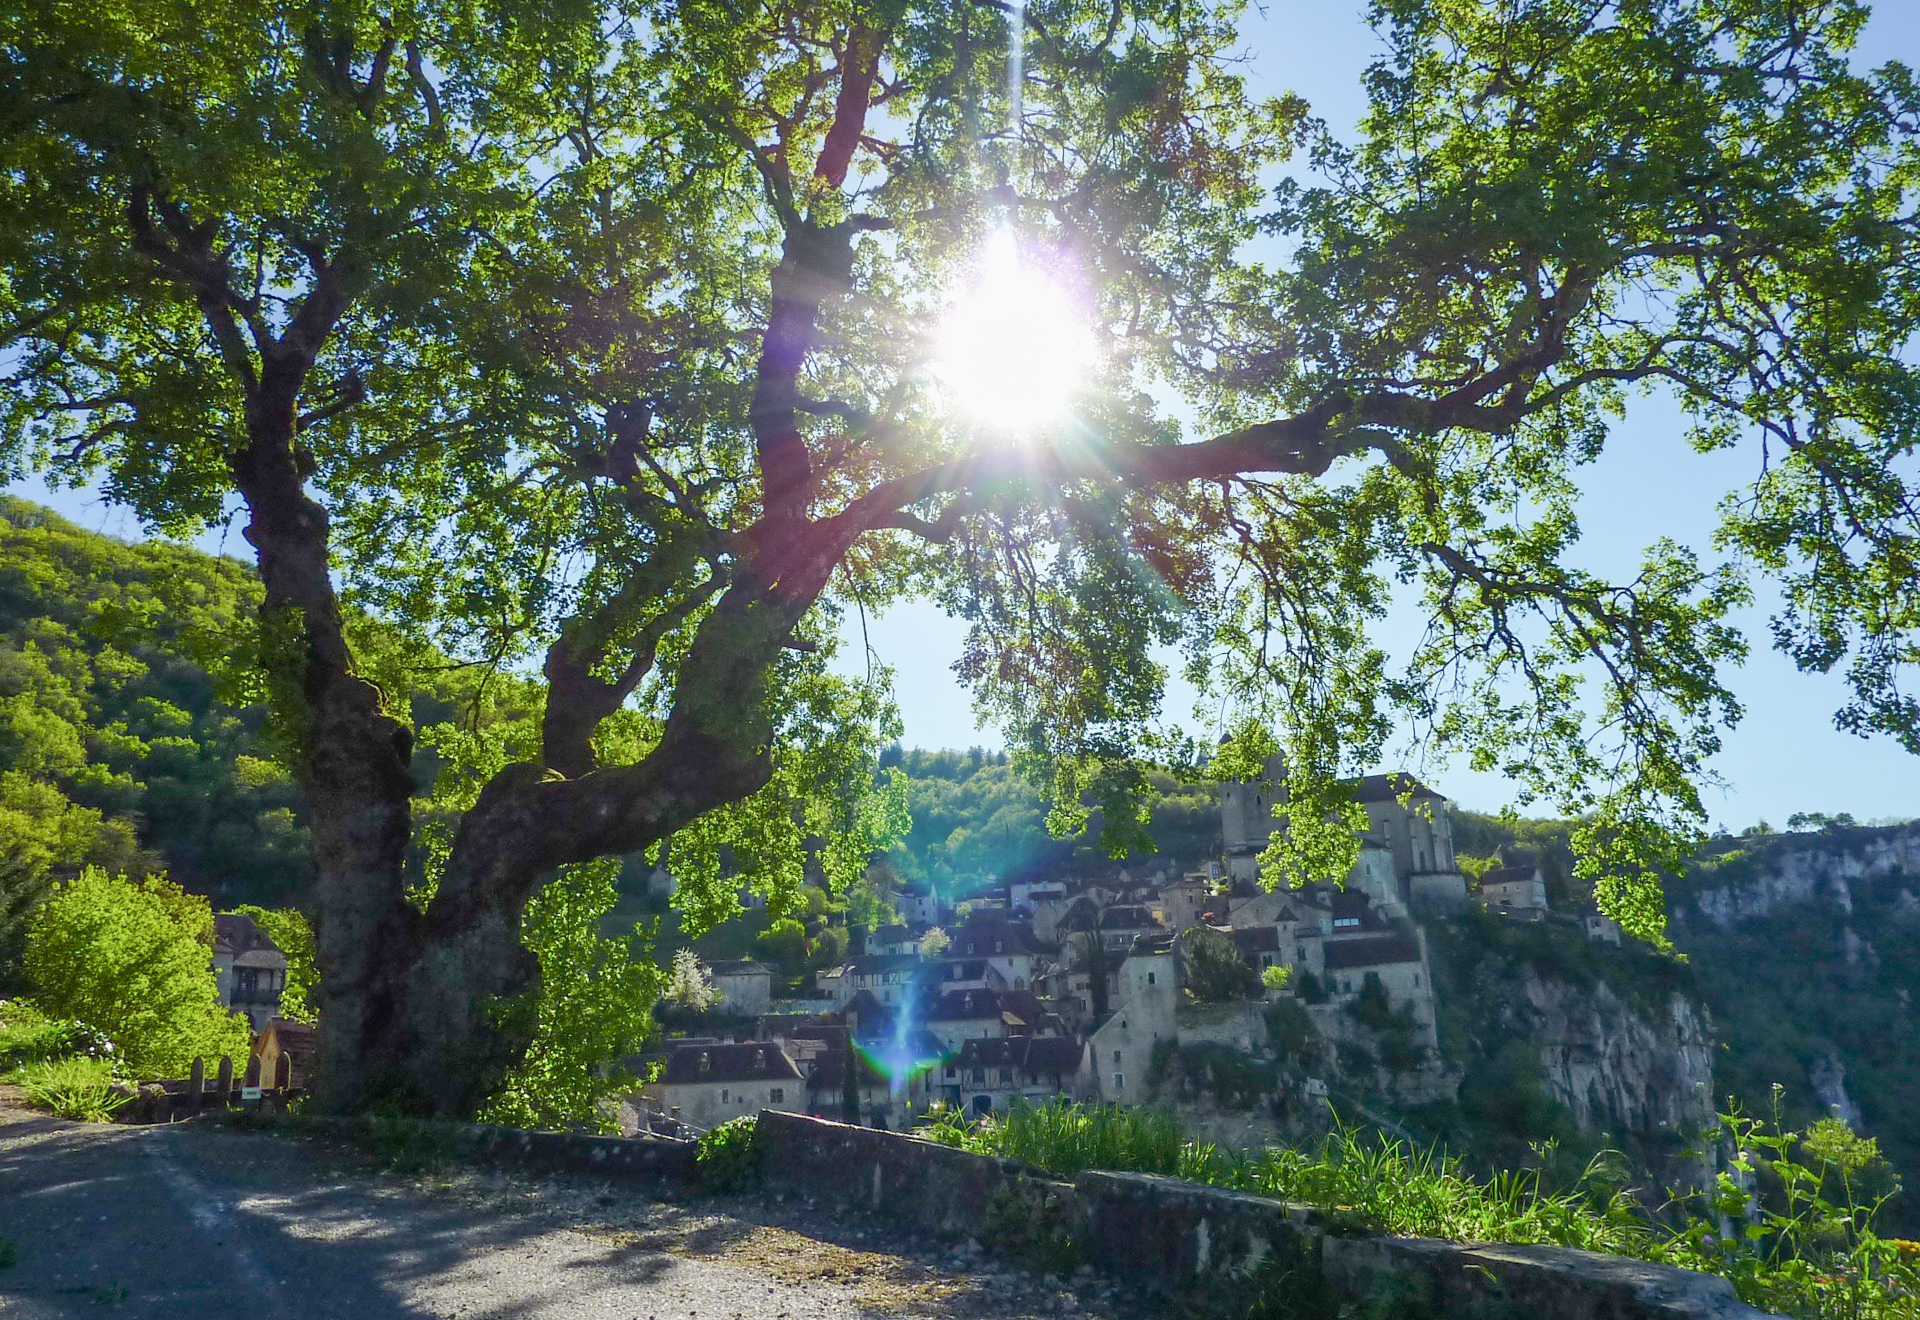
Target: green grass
{"type": "Point", "coordinates": [1065, 1138]}
{"type": "Point", "coordinates": [73, 1087]}
{"type": "Point", "coordinates": [1804, 1246]}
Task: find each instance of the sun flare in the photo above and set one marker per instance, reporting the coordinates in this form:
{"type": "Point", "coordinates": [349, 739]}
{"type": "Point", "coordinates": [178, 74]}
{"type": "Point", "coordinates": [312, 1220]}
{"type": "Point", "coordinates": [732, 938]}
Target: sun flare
{"type": "Point", "coordinates": [1016, 342]}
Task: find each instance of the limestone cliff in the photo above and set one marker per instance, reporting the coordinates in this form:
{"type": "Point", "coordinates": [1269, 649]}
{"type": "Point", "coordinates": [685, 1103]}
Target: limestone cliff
{"type": "Point", "coordinates": [1807, 948]}
{"type": "Point", "coordinates": [1645, 1069]}
{"type": "Point", "coordinates": [1781, 871]}
{"type": "Point", "coordinates": [1557, 1038]}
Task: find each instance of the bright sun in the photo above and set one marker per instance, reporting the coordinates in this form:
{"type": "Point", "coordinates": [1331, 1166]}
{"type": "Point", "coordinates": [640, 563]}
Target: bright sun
{"type": "Point", "coordinates": [1015, 344]}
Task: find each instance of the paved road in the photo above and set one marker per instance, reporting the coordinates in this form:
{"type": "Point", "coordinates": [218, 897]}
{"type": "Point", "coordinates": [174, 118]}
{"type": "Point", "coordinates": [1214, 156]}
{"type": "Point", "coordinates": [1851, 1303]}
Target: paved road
{"type": "Point", "coordinates": [196, 1221]}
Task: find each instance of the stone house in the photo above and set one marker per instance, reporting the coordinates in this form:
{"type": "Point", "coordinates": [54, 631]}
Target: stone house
{"type": "Point", "coordinates": [1399, 962]}
{"type": "Point", "coordinates": [962, 1015]}
{"type": "Point", "coordinates": [1188, 902]}
{"type": "Point", "coordinates": [1521, 889]}
{"type": "Point", "coordinates": [1008, 947]}
{"type": "Point", "coordinates": [1144, 994]}
{"type": "Point", "coordinates": [745, 988]}
{"type": "Point", "coordinates": [1025, 896]}
{"type": "Point", "coordinates": [896, 1083]}
{"type": "Point", "coordinates": [991, 1075]}
{"type": "Point", "coordinates": [1124, 923]}
{"type": "Point", "coordinates": [248, 968]}
{"type": "Point", "coordinates": [892, 941]}
{"type": "Point", "coordinates": [890, 977]}
{"type": "Point", "coordinates": [707, 1084]}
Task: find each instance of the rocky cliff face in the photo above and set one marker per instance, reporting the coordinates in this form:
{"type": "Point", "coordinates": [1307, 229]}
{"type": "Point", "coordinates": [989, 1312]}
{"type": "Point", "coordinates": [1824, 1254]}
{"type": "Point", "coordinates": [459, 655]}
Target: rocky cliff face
{"type": "Point", "coordinates": [1645, 1069]}
{"type": "Point", "coordinates": [1807, 948]}
{"type": "Point", "coordinates": [1813, 869]}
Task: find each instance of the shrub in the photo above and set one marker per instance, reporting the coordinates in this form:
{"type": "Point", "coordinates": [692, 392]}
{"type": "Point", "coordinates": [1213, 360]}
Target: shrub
{"type": "Point", "coordinates": [1214, 970]}
{"type": "Point", "coordinates": [729, 1156]}
{"type": "Point", "coordinates": [1276, 978]}
{"type": "Point", "coordinates": [28, 1035]}
{"type": "Point", "coordinates": [73, 1087]}
{"type": "Point", "coordinates": [133, 959]}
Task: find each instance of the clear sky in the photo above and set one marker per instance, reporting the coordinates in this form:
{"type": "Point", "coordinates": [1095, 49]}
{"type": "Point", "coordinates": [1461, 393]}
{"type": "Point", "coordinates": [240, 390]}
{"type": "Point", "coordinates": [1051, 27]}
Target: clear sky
{"type": "Point", "coordinates": [1785, 757]}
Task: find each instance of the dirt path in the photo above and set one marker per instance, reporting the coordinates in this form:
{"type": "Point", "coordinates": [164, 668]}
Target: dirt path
{"type": "Point", "coordinates": [197, 1221]}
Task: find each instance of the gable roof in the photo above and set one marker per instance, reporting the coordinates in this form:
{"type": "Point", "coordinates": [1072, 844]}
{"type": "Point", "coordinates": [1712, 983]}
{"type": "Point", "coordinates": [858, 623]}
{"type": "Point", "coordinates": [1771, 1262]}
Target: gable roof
{"type": "Point", "coordinates": [1391, 787]}
{"type": "Point", "coordinates": [1256, 939]}
{"type": "Point", "coordinates": [240, 935]}
{"type": "Point", "coordinates": [1129, 916]}
{"type": "Point", "coordinates": [1372, 951]}
{"type": "Point", "coordinates": [879, 964]}
{"type": "Point", "coordinates": [741, 969]}
{"type": "Point", "coordinates": [750, 1062]}
{"type": "Point", "coordinates": [1508, 875]}
{"type": "Point", "coordinates": [1057, 1055]}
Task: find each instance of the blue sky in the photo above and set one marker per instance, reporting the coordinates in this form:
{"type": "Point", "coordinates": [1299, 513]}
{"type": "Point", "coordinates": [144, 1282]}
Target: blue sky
{"type": "Point", "coordinates": [1785, 757]}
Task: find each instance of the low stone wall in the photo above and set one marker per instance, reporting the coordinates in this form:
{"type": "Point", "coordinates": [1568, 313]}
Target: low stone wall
{"type": "Point", "coordinates": [1197, 1242]}
{"type": "Point", "coordinates": [659, 1160]}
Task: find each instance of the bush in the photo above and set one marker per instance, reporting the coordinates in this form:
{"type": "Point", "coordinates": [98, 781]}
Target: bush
{"type": "Point", "coordinates": [134, 959]}
{"type": "Point", "coordinates": [28, 1035]}
{"type": "Point", "coordinates": [729, 1156]}
{"type": "Point", "coordinates": [74, 1087]}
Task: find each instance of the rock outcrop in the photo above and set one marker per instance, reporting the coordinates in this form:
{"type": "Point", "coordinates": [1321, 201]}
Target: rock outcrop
{"type": "Point", "coordinates": [1617, 1068]}
{"type": "Point", "coordinates": [1809, 868]}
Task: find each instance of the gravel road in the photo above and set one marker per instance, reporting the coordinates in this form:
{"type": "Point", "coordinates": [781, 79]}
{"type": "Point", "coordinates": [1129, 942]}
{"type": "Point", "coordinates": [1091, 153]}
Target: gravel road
{"type": "Point", "coordinates": [196, 1221]}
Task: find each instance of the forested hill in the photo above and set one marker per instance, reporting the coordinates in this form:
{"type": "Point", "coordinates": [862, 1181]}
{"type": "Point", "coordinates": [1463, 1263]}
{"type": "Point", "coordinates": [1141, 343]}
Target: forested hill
{"type": "Point", "coordinates": [975, 816]}
{"type": "Point", "coordinates": [118, 745]}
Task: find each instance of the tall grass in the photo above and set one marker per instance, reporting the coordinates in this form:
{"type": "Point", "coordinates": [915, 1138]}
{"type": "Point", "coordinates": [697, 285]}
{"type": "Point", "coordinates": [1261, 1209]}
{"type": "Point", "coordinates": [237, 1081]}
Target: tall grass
{"type": "Point", "coordinates": [1388, 1186]}
{"type": "Point", "coordinates": [1813, 1255]}
{"type": "Point", "coordinates": [73, 1087]}
{"type": "Point", "coordinates": [1064, 1138]}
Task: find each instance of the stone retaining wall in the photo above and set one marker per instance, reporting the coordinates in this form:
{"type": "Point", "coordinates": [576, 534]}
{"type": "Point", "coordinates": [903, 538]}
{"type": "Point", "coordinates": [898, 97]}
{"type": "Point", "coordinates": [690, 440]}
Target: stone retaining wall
{"type": "Point", "coordinates": [1192, 1241]}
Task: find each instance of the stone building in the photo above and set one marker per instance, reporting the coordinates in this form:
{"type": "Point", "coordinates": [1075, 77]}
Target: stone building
{"type": "Point", "coordinates": [707, 1084]}
{"type": "Point", "coordinates": [249, 969]}
{"type": "Point", "coordinates": [1143, 992]}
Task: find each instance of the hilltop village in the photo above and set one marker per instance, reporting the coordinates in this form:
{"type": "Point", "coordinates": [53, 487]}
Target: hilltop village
{"type": "Point", "coordinates": [1104, 990]}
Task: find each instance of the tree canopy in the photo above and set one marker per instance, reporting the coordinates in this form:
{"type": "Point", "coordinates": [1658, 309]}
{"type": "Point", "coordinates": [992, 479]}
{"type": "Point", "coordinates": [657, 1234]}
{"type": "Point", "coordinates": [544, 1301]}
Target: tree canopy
{"type": "Point", "coordinates": [597, 337]}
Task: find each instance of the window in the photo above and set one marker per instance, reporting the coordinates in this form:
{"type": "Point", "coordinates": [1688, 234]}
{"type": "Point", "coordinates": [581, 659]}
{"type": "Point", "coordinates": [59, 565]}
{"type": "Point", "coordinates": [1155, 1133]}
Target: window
{"type": "Point", "coordinates": [723, 1095]}
{"type": "Point", "coordinates": [1116, 1056]}
{"type": "Point", "coordinates": [1149, 978]}
{"type": "Point", "coordinates": [1006, 1077]}
{"type": "Point", "coordinates": [777, 1096]}
{"type": "Point", "coordinates": [952, 1072]}
{"type": "Point", "coordinates": [1346, 921]}
{"type": "Point", "coordinates": [1119, 1082]}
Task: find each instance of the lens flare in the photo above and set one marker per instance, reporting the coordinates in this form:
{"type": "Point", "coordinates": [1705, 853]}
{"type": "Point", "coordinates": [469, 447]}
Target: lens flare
{"type": "Point", "coordinates": [1015, 344]}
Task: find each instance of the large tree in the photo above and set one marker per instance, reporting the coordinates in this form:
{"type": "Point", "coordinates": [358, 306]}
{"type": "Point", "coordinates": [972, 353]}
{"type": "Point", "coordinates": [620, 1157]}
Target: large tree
{"type": "Point", "coordinates": [594, 337]}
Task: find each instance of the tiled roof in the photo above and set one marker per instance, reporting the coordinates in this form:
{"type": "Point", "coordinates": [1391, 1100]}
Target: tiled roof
{"type": "Point", "coordinates": [1128, 916]}
{"type": "Point", "coordinates": [1391, 787]}
{"type": "Point", "coordinates": [751, 1062]}
{"type": "Point", "coordinates": [1507, 875]}
{"type": "Point", "coordinates": [741, 969]}
{"type": "Point", "coordinates": [974, 1005]}
{"type": "Point", "coordinates": [1371, 951]}
{"type": "Point", "coordinates": [1257, 939]}
{"type": "Point", "coordinates": [237, 934]}
{"type": "Point", "coordinates": [881, 963]}
{"type": "Point", "coordinates": [1057, 1055]}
